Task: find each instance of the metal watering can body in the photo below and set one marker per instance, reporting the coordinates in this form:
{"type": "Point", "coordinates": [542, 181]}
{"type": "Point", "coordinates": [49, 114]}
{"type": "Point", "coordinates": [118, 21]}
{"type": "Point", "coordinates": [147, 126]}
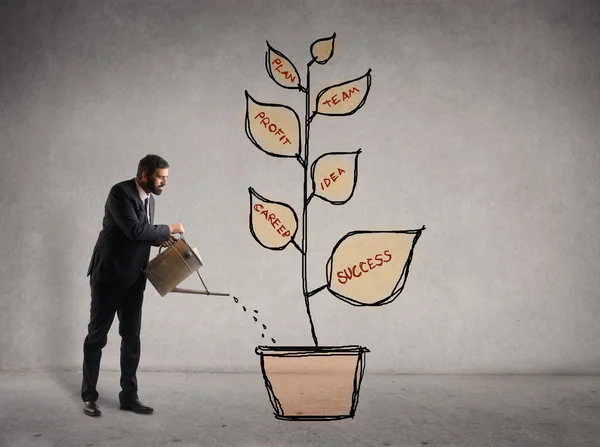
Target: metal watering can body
{"type": "Point", "coordinates": [173, 266]}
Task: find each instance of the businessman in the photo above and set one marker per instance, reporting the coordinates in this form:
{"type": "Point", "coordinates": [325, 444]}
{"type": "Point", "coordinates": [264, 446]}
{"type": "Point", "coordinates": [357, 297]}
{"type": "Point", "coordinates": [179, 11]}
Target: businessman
{"type": "Point", "coordinates": [117, 281]}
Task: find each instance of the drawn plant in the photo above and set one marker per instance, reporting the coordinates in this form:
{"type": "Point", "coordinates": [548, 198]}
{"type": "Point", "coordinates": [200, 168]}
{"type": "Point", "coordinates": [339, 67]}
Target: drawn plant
{"type": "Point", "coordinates": [366, 267]}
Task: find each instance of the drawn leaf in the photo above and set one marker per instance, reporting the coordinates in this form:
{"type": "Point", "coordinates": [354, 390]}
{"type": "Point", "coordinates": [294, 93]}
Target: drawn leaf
{"type": "Point", "coordinates": [322, 49]}
{"type": "Point", "coordinates": [273, 128]}
{"type": "Point", "coordinates": [370, 268]}
{"type": "Point", "coordinates": [334, 176]}
{"type": "Point", "coordinates": [344, 98]}
{"type": "Point", "coordinates": [273, 224]}
{"type": "Point", "coordinates": [281, 69]}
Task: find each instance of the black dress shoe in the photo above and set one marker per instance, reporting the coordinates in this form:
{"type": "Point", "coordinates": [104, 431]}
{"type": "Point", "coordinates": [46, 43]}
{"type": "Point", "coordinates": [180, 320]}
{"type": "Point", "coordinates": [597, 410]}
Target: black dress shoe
{"type": "Point", "coordinates": [136, 406]}
{"type": "Point", "coordinates": [91, 408]}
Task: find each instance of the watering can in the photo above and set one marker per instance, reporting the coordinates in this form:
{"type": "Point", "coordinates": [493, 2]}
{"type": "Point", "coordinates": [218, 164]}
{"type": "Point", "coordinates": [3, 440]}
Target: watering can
{"type": "Point", "coordinates": [171, 267]}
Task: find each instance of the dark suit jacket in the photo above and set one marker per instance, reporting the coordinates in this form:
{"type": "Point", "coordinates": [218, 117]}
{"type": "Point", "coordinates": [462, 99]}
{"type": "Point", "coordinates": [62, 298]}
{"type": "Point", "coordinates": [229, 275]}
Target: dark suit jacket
{"type": "Point", "coordinates": [122, 250]}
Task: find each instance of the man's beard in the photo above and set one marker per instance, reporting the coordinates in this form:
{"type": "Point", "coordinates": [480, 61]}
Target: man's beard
{"type": "Point", "coordinates": [155, 190]}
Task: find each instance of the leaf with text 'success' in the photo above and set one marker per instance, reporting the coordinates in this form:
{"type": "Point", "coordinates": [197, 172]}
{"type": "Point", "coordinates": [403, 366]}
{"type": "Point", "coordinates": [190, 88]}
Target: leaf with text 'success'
{"type": "Point", "coordinates": [370, 268]}
{"type": "Point", "coordinates": [322, 49]}
{"type": "Point", "coordinates": [345, 98]}
{"type": "Point", "coordinates": [281, 69]}
{"type": "Point", "coordinates": [273, 224]}
{"type": "Point", "coordinates": [334, 176]}
{"type": "Point", "coordinates": [273, 128]}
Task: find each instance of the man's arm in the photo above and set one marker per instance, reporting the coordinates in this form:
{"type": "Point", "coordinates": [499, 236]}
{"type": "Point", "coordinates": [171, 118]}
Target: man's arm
{"type": "Point", "coordinates": [120, 206]}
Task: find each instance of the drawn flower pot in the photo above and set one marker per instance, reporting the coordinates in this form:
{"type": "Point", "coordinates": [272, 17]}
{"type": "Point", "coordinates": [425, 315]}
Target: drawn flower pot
{"type": "Point", "coordinates": [313, 383]}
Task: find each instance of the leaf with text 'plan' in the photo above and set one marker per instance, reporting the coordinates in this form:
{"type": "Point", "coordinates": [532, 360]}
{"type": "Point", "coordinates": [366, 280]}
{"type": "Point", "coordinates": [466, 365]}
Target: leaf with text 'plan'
{"type": "Point", "coordinates": [281, 69]}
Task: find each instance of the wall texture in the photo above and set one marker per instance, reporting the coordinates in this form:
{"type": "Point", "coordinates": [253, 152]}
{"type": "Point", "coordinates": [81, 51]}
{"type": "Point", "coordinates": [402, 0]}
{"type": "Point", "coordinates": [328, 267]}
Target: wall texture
{"type": "Point", "coordinates": [482, 123]}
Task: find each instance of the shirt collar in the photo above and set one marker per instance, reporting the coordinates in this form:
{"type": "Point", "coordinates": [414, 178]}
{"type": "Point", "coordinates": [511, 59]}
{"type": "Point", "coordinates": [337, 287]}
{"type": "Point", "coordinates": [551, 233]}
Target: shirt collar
{"type": "Point", "coordinates": [141, 192]}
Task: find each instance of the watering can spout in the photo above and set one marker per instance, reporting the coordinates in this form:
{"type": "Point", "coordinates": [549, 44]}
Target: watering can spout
{"type": "Point", "coordinates": [198, 292]}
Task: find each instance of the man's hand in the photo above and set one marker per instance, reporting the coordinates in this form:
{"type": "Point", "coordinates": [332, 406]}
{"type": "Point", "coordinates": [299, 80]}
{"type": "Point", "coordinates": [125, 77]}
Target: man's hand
{"type": "Point", "coordinates": [176, 228]}
{"type": "Point", "coordinates": [169, 241]}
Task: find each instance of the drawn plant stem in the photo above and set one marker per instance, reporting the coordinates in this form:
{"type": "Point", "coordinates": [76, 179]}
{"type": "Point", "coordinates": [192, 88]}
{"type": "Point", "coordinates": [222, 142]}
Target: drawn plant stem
{"type": "Point", "coordinates": [305, 202]}
{"type": "Point", "coordinates": [275, 129]}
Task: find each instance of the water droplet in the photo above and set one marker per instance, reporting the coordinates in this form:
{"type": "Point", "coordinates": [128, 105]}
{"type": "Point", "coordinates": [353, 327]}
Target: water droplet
{"type": "Point", "coordinates": [255, 319]}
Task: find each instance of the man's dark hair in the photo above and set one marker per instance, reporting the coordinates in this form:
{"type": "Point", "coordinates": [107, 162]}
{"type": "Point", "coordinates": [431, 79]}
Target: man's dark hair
{"type": "Point", "coordinates": [150, 163]}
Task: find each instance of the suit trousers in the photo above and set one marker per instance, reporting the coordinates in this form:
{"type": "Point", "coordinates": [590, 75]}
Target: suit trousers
{"type": "Point", "coordinates": [108, 299]}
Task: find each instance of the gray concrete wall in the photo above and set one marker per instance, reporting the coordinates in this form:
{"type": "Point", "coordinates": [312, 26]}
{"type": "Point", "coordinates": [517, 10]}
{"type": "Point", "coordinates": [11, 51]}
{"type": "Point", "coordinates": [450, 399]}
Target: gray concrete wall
{"type": "Point", "coordinates": [482, 123]}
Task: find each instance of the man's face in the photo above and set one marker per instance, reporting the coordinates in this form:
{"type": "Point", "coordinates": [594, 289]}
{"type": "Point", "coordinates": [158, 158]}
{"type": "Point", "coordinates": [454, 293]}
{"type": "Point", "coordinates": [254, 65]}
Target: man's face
{"type": "Point", "coordinates": [157, 181]}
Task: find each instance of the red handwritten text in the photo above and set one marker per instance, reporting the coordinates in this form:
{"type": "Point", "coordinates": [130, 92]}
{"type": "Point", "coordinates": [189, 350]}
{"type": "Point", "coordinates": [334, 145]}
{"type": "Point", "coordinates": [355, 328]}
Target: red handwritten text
{"type": "Point", "coordinates": [326, 181]}
{"type": "Point", "coordinates": [345, 96]}
{"type": "Point", "coordinates": [286, 74]}
{"type": "Point", "coordinates": [273, 220]}
{"type": "Point", "coordinates": [272, 127]}
{"type": "Point", "coordinates": [357, 270]}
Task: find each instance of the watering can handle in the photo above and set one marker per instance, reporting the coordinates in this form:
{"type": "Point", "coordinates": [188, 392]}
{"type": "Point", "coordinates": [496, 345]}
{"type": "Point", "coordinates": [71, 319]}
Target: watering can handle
{"type": "Point", "coordinates": [180, 236]}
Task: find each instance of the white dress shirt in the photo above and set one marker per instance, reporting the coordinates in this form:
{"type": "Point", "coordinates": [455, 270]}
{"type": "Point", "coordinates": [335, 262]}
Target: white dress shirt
{"type": "Point", "coordinates": [143, 196]}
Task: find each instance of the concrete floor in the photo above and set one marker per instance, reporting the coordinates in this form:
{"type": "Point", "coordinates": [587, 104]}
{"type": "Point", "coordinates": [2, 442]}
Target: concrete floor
{"type": "Point", "coordinates": [194, 409]}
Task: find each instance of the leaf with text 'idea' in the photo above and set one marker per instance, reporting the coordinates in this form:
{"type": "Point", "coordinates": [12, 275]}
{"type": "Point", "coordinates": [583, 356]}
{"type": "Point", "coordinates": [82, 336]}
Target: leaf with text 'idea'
{"type": "Point", "coordinates": [345, 98]}
{"type": "Point", "coordinates": [322, 49]}
{"type": "Point", "coordinates": [273, 224]}
{"type": "Point", "coordinates": [334, 176]}
{"type": "Point", "coordinates": [273, 128]}
{"type": "Point", "coordinates": [281, 69]}
{"type": "Point", "coordinates": [370, 268]}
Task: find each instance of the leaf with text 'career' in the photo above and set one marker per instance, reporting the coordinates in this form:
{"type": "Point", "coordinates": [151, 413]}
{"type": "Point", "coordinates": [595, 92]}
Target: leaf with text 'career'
{"type": "Point", "coordinates": [322, 49]}
{"type": "Point", "coordinates": [334, 176]}
{"type": "Point", "coordinates": [273, 224]}
{"type": "Point", "coordinates": [370, 268]}
{"type": "Point", "coordinates": [273, 128]}
{"type": "Point", "coordinates": [345, 98]}
{"type": "Point", "coordinates": [281, 69]}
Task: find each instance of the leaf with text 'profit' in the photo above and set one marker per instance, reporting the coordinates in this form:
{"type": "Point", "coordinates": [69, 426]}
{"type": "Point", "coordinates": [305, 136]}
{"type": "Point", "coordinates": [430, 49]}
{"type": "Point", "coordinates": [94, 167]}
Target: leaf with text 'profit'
{"type": "Point", "coordinates": [273, 128]}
